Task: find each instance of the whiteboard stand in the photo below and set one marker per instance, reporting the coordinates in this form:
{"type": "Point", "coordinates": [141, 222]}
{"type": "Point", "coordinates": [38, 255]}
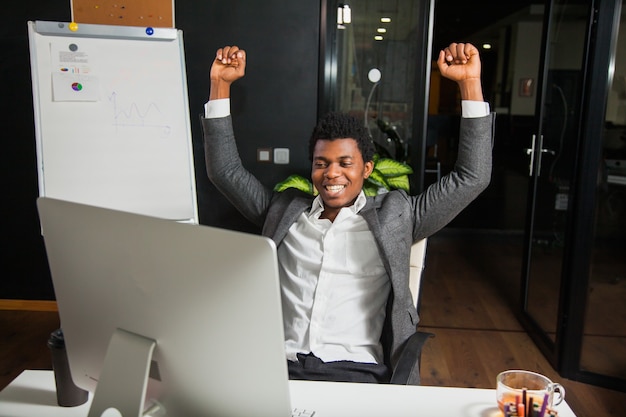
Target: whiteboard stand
{"type": "Point", "coordinates": [112, 121]}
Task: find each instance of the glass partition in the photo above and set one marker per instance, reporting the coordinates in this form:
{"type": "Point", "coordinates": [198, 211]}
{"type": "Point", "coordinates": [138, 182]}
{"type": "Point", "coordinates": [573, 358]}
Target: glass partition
{"type": "Point", "coordinates": [375, 68]}
{"type": "Point", "coordinates": [604, 335]}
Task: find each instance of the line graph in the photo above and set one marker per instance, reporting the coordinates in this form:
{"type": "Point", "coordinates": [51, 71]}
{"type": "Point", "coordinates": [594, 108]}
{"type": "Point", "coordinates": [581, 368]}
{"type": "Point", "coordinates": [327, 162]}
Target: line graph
{"type": "Point", "coordinates": [132, 116]}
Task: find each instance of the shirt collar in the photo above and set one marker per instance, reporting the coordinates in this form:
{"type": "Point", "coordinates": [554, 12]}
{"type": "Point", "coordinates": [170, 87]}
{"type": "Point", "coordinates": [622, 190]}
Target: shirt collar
{"type": "Point", "coordinates": [318, 205]}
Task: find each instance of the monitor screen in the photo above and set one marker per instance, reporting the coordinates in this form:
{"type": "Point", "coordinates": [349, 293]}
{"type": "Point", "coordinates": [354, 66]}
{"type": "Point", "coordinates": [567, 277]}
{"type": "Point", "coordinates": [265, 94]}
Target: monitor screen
{"type": "Point", "coordinates": [208, 298]}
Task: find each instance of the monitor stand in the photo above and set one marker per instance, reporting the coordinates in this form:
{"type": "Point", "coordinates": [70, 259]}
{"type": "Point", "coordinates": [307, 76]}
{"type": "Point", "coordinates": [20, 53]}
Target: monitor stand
{"type": "Point", "coordinates": [124, 376]}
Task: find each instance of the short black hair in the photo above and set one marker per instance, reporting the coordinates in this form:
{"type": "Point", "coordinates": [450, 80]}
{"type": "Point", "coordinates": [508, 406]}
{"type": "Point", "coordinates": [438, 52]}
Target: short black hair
{"type": "Point", "coordinates": [337, 125]}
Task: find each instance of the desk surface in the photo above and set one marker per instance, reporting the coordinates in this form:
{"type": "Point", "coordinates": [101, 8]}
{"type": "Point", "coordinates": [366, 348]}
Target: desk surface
{"type": "Point", "coordinates": [33, 394]}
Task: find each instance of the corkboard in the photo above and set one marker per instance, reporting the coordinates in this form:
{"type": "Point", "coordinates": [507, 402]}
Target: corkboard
{"type": "Point", "coordinates": [148, 13]}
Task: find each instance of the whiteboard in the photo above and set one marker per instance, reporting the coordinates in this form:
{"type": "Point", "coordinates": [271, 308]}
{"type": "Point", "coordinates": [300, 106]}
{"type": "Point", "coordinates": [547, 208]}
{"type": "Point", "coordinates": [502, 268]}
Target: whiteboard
{"type": "Point", "coordinates": [112, 122]}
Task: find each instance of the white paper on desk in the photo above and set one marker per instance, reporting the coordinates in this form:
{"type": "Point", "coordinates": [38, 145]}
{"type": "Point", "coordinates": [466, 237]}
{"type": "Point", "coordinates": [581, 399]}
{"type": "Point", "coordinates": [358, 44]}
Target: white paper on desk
{"type": "Point", "coordinates": [74, 87]}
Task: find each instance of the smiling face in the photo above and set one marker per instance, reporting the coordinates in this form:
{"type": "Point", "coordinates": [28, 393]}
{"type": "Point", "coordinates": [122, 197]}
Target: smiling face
{"type": "Point", "coordinates": [338, 173]}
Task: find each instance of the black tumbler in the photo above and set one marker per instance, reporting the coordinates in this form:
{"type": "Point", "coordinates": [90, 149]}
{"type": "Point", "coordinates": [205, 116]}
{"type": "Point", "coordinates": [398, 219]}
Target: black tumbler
{"type": "Point", "coordinates": [68, 394]}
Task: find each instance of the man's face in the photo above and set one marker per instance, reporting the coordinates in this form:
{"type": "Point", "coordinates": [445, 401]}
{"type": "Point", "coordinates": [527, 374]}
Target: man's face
{"type": "Point", "coordinates": [338, 173]}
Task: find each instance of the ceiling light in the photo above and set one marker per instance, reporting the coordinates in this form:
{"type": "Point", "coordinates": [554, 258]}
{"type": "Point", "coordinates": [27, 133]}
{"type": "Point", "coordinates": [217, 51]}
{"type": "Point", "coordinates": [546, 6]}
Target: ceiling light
{"type": "Point", "coordinates": [347, 14]}
{"type": "Point", "coordinates": [378, 38]}
{"type": "Point", "coordinates": [344, 14]}
{"type": "Point", "coordinates": [385, 19]}
{"type": "Point", "coordinates": [381, 30]}
{"type": "Point", "coordinates": [486, 46]}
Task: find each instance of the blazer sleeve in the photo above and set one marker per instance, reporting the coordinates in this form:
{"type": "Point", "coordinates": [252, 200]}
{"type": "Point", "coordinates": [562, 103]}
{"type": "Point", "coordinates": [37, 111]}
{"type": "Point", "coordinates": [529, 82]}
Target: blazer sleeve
{"type": "Point", "coordinates": [226, 172]}
{"type": "Point", "coordinates": [441, 202]}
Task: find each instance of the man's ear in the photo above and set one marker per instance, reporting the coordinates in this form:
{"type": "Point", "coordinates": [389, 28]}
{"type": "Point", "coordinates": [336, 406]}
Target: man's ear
{"type": "Point", "coordinates": [369, 167]}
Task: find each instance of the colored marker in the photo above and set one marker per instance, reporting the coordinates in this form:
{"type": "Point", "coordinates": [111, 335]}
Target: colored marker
{"type": "Point", "coordinates": [73, 26]}
{"type": "Point", "coordinates": [149, 31]}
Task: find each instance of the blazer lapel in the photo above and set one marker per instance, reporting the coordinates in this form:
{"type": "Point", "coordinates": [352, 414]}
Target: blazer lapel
{"type": "Point", "coordinates": [371, 217]}
{"type": "Point", "coordinates": [279, 221]}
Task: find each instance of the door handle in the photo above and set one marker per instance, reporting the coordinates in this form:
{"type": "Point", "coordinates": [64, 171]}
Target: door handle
{"type": "Point", "coordinates": [531, 152]}
{"type": "Point", "coordinates": [542, 150]}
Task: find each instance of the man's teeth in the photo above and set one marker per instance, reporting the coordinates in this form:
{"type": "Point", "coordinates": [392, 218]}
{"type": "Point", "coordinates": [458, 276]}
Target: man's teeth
{"type": "Point", "coordinates": [334, 188]}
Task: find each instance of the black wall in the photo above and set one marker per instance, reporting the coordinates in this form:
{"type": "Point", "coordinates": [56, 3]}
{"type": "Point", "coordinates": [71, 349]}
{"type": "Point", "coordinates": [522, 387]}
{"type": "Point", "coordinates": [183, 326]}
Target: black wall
{"type": "Point", "coordinates": [275, 105]}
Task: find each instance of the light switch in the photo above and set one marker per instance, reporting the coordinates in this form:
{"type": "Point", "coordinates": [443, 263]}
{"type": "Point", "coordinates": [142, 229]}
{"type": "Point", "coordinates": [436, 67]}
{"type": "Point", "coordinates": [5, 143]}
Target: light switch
{"type": "Point", "coordinates": [281, 155]}
{"type": "Point", "coordinates": [264, 155]}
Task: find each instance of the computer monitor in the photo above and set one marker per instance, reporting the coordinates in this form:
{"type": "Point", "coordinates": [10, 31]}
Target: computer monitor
{"type": "Point", "coordinates": [198, 306]}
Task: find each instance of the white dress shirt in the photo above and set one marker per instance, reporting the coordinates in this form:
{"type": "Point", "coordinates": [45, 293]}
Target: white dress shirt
{"type": "Point", "coordinates": [334, 286]}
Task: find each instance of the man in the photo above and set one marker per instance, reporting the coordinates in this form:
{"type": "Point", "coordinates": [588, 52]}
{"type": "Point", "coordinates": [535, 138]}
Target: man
{"type": "Point", "coordinates": [344, 257]}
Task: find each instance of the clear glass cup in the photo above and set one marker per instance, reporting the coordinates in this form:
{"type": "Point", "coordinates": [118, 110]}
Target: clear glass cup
{"type": "Point", "coordinates": [511, 385]}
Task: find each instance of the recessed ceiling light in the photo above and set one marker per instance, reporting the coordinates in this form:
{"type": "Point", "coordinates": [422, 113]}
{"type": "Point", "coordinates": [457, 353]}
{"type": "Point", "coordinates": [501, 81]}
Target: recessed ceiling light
{"type": "Point", "coordinates": [381, 30]}
{"type": "Point", "coordinates": [385, 19]}
{"type": "Point", "coordinates": [486, 46]}
{"type": "Point", "coordinates": [378, 38]}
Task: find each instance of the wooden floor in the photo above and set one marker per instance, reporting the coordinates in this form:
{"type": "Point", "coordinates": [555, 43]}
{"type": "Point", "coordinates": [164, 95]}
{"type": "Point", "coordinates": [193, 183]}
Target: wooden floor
{"type": "Point", "coordinates": [477, 334]}
{"type": "Point", "coordinates": [468, 296]}
{"type": "Point", "coordinates": [23, 342]}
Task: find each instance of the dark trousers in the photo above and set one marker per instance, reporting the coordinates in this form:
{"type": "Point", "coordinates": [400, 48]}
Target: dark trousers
{"type": "Point", "coordinates": [310, 367]}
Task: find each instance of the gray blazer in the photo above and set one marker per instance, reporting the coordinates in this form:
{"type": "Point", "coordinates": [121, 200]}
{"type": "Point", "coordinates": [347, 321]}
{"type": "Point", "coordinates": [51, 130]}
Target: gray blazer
{"type": "Point", "coordinates": [396, 219]}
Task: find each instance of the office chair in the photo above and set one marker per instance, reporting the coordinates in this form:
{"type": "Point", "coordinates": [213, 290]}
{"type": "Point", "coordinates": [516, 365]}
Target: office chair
{"type": "Point", "coordinates": [433, 165]}
{"type": "Point", "coordinates": [412, 352]}
{"type": "Point", "coordinates": [418, 260]}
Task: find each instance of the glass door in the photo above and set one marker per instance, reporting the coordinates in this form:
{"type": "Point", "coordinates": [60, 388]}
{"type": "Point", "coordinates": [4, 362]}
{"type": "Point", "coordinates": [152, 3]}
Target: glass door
{"type": "Point", "coordinates": [574, 275]}
{"type": "Point", "coordinates": [599, 354]}
{"type": "Point", "coordinates": [552, 150]}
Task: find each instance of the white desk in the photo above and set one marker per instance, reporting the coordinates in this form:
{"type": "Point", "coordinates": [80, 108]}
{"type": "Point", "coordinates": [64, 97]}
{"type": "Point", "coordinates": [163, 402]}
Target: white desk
{"type": "Point", "coordinates": [33, 394]}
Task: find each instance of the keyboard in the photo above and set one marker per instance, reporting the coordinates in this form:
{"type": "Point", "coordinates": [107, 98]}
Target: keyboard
{"type": "Point", "coordinates": [297, 412]}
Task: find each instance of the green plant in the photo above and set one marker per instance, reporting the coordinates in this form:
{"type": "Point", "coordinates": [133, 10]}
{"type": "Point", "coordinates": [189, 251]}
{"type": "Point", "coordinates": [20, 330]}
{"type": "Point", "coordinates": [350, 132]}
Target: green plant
{"type": "Point", "coordinates": [388, 174]}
